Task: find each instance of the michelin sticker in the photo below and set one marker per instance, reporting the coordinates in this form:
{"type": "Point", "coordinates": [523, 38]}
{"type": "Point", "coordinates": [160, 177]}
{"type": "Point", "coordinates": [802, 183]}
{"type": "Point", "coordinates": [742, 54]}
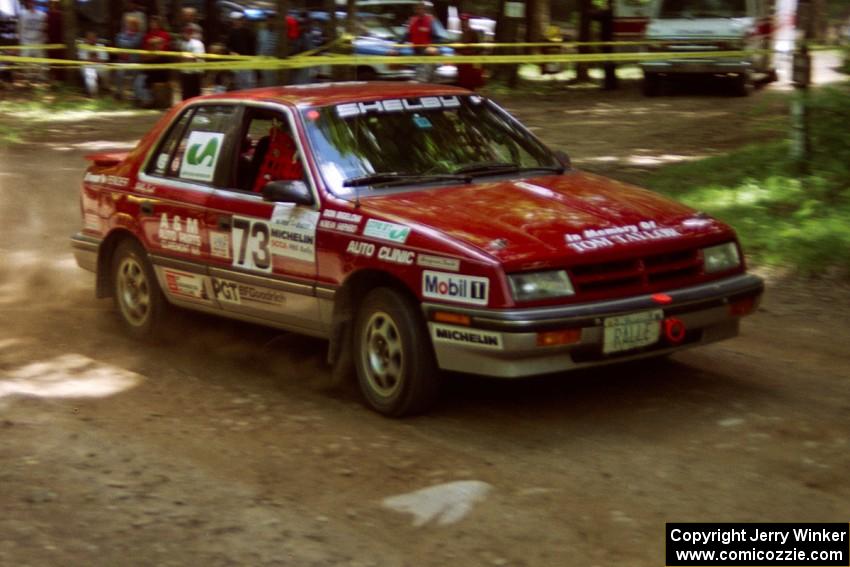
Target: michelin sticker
{"type": "Point", "coordinates": [465, 336]}
{"type": "Point", "coordinates": [608, 237]}
{"type": "Point", "coordinates": [473, 290]}
{"type": "Point", "coordinates": [293, 232]}
{"type": "Point", "coordinates": [201, 156]}
{"type": "Point", "coordinates": [386, 231]}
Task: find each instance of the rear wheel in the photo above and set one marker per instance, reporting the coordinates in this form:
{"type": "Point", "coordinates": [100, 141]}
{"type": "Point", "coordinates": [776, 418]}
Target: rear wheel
{"type": "Point", "coordinates": [651, 84]}
{"type": "Point", "coordinates": [138, 298]}
{"type": "Point", "coordinates": [740, 85]}
{"type": "Point", "coordinates": [393, 357]}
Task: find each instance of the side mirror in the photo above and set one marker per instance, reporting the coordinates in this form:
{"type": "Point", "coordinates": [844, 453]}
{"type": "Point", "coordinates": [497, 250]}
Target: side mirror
{"type": "Point", "coordinates": [288, 192]}
{"type": "Point", "coordinates": [564, 159]}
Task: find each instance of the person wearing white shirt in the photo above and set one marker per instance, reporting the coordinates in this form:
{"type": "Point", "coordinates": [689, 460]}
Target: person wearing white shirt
{"type": "Point", "coordinates": [32, 30]}
{"type": "Point", "coordinates": [94, 76]}
{"type": "Point", "coordinates": [190, 79]}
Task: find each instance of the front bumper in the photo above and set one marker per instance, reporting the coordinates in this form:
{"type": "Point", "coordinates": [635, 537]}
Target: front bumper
{"type": "Point", "coordinates": [697, 66]}
{"type": "Point", "coordinates": [504, 343]}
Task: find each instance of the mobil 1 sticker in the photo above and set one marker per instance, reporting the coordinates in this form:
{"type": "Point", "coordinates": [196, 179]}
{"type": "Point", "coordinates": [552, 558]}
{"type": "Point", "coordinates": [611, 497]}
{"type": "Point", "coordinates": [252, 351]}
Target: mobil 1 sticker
{"type": "Point", "coordinates": [473, 290]}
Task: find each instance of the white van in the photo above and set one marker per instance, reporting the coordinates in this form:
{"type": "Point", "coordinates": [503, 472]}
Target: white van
{"type": "Point", "coordinates": [706, 26]}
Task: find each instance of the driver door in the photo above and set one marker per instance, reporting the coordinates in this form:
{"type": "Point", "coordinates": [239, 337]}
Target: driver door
{"type": "Point", "coordinates": [263, 254]}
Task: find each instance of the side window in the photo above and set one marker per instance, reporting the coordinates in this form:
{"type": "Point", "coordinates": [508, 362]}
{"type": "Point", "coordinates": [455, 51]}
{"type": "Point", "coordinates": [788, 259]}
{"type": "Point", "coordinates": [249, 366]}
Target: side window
{"type": "Point", "coordinates": [268, 151]}
{"type": "Point", "coordinates": [195, 148]}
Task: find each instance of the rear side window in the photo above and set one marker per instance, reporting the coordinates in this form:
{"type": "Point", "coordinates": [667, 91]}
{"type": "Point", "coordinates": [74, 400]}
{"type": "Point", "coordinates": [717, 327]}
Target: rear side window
{"type": "Point", "coordinates": [194, 149]}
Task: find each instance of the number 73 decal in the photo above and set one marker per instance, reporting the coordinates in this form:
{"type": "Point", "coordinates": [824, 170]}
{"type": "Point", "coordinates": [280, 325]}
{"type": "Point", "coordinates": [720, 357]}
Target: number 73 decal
{"type": "Point", "coordinates": [251, 239]}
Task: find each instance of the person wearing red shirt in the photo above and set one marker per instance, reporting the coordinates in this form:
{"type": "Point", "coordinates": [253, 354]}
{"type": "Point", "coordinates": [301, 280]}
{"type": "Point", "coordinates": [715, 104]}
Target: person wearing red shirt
{"type": "Point", "coordinates": [420, 34]}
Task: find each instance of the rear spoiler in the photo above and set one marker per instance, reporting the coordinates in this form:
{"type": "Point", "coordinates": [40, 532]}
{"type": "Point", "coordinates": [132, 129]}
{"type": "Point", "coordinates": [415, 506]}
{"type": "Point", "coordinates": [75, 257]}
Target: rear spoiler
{"type": "Point", "coordinates": [106, 160]}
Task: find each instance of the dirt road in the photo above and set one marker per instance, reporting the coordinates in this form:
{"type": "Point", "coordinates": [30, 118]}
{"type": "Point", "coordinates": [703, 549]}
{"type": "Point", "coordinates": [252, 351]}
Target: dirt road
{"type": "Point", "coordinates": [218, 448]}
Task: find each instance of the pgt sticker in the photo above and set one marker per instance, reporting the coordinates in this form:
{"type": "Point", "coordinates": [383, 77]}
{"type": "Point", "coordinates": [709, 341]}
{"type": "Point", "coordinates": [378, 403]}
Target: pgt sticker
{"type": "Point", "coordinates": [473, 290]}
{"type": "Point", "coordinates": [202, 151]}
{"type": "Point", "coordinates": [465, 336]}
{"type": "Point", "coordinates": [386, 231]}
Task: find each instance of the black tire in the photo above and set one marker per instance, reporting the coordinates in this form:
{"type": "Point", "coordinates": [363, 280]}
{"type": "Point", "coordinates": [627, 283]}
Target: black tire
{"type": "Point", "coordinates": [740, 85]}
{"type": "Point", "coordinates": [138, 298]}
{"type": "Point", "coordinates": [651, 84]}
{"type": "Point", "coordinates": [393, 357]}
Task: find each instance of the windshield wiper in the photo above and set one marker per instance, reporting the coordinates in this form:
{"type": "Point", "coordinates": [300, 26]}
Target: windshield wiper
{"type": "Point", "coordinates": [496, 167]}
{"type": "Point", "coordinates": [396, 178]}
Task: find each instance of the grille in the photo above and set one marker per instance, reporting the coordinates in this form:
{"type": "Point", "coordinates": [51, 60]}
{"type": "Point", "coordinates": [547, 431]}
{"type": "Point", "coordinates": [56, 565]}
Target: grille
{"type": "Point", "coordinates": [643, 273]}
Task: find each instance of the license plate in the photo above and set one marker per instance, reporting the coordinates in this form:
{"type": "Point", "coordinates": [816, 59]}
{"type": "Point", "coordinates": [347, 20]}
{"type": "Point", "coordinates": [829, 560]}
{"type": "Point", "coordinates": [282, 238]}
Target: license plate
{"type": "Point", "coordinates": [632, 331]}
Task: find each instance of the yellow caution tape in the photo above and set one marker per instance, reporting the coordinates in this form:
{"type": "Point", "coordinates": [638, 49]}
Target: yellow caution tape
{"type": "Point", "coordinates": [229, 57]}
{"type": "Point", "coordinates": [43, 47]}
{"type": "Point", "coordinates": [268, 63]}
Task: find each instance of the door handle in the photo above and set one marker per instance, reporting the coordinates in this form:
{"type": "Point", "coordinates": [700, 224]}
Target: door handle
{"type": "Point", "coordinates": [224, 223]}
{"type": "Point", "coordinates": [146, 207]}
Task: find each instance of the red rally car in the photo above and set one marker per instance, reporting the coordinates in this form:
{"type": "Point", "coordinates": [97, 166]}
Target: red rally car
{"type": "Point", "coordinates": [416, 227]}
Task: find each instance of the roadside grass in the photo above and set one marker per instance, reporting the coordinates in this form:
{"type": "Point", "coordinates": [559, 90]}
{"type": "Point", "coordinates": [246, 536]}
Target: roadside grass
{"type": "Point", "coordinates": [784, 218]}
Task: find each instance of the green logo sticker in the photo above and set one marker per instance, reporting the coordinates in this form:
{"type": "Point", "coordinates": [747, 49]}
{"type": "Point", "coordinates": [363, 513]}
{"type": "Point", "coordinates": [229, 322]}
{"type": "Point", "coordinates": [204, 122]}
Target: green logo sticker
{"type": "Point", "coordinates": [201, 156]}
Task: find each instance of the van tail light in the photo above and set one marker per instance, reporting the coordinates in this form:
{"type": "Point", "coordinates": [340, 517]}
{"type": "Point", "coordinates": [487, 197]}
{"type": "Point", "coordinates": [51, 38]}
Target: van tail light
{"type": "Point", "coordinates": [741, 307]}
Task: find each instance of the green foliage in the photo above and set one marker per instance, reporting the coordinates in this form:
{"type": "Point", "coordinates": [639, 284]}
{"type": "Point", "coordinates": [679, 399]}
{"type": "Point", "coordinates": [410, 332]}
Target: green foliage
{"type": "Point", "coordinates": [783, 218]}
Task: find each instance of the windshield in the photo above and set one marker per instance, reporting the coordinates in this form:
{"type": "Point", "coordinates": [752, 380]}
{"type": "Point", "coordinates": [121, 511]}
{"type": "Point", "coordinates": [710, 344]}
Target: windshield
{"type": "Point", "coordinates": [703, 8]}
{"type": "Point", "coordinates": [434, 138]}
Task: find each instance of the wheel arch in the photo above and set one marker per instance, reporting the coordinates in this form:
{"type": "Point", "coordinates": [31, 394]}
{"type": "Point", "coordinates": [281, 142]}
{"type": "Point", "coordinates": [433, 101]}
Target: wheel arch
{"type": "Point", "coordinates": [346, 300]}
{"type": "Point", "coordinates": [103, 285]}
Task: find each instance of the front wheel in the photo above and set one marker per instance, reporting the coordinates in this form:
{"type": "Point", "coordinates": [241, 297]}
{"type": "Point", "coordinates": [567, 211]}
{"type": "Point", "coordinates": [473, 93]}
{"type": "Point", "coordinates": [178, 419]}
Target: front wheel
{"type": "Point", "coordinates": [138, 298]}
{"type": "Point", "coordinates": [393, 357]}
{"type": "Point", "coordinates": [651, 84]}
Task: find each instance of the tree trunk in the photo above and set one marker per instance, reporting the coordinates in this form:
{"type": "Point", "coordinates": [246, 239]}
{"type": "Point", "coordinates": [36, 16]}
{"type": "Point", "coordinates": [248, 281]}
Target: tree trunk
{"type": "Point", "coordinates": [537, 18]}
{"type": "Point", "coordinates": [211, 32]}
{"type": "Point", "coordinates": [506, 32]}
{"type": "Point", "coordinates": [330, 33]}
{"type": "Point", "coordinates": [69, 17]}
{"type": "Point", "coordinates": [585, 20]}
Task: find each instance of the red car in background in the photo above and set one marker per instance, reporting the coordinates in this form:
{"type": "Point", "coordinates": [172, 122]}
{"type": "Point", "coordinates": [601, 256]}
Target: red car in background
{"type": "Point", "coordinates": [416, 227]}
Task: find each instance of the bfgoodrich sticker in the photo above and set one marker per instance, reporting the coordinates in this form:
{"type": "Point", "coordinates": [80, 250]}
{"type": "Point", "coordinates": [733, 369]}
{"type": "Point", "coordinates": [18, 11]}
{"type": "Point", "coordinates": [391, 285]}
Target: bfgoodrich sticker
{"type": "Point", "coordinates": [452, 287]}
{"type": "Point", "coordinates": [466, 337]}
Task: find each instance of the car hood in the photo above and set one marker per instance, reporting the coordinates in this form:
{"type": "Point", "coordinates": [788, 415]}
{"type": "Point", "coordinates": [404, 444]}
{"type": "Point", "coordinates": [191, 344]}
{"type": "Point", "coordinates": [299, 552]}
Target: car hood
{"type": "Point", "coordinates": [539, 221]}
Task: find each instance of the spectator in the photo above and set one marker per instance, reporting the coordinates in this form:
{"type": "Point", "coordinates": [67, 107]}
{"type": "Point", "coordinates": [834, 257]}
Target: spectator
{"type": "Point", "coordinates": [188, 17]}
{"type": "Point", "coordinates": [32, 31]}
{"type": "Point", "coordinates": [135, 10]}
{"type": "Point", "coordinates": [267, 42]}
{"type": "Point", "coordinates": [293, 35]}
{"type": "Point", "coordinates": [94, 76]}
{"type": "Point", "coordinates": [241, 41]}
{"type": "Point", "coordinates": [469, 75]}
{"type": "Point", "coordinates": [129, 38]}
{"type": "Point", "coordinates": [157, 39]}
{"type": "Point", "coordinates": [190, 80]}
{"type": "Point", "coordinates": [55, 34]}
{"type": "Point", "coordinates": [420, 33]}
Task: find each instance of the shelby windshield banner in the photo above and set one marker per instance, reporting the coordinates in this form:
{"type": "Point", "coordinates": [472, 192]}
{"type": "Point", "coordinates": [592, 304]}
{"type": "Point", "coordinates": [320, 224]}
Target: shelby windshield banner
{"type": "Point", "coordinates": [758, 544]}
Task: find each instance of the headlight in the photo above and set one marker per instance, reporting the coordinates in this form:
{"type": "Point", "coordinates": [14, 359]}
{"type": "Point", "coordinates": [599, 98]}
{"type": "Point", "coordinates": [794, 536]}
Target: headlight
{"type": "Point", "coordinates": [540, 285]}
{"type": "Point", "coordinates": [720, 258]}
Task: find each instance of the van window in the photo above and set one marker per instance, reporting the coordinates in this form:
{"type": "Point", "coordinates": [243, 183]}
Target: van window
{"type": "Point", "coordinates": [703, 8]}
